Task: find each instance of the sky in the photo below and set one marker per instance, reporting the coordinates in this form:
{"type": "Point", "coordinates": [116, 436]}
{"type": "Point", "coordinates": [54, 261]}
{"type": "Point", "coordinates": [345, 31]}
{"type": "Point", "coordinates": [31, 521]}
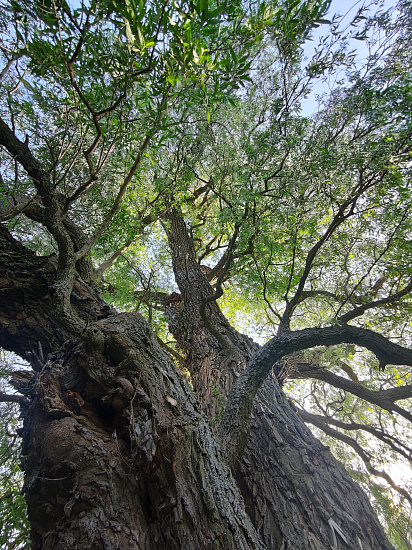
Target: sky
{"type": "Point", "coordinates": [348, 8]}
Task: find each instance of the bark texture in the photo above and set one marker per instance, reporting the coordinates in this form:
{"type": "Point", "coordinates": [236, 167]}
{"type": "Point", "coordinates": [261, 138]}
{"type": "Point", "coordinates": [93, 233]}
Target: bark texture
{"type": "Point", "coordinates": [118, 454]}
{"type": "Point", "coordinates": [294, 488]}
{"type": "Point", "coordinates": [296, 493]}
{"type": "Point", "coordinates": [115, 452]}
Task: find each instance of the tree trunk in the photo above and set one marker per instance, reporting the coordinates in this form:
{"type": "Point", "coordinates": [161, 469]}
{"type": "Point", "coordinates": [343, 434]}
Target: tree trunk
{"type": "Point", "coordinates": [296, 493]}
{"type": "Point", "coordinates": [117, 454]}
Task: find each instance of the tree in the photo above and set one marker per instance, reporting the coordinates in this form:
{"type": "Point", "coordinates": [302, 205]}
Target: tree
{"type": "Point", "coordinates": [136, 136]}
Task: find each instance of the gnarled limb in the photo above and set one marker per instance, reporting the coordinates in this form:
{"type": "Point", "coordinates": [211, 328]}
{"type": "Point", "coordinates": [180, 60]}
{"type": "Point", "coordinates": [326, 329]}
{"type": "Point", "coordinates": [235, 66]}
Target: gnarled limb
{"type": "Point", "coordinates": [53, 220]}
{"type": "Point", "coordinates": [113, 432]}
{"type": "Point", "coordinates": [234, 429]}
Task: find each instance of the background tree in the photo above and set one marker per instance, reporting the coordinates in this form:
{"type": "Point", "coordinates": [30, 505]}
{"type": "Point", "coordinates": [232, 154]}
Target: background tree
{"type": "Point", "coordinates": [158, 154]}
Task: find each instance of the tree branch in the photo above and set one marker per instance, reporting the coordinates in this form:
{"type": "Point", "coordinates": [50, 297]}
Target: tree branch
{"type": "Point", "coordinates": [361, 453]}
{"type": "Point", "coordinates": [109, 216]}
{"type": "Point", "coordinates": [21, 152]}
{"type": "Point", "coordinates": [389, 440]}
{"type": "Point", "coordinates": [384, 398]}
{"type": "Point", "coordinates": [345, 211]}
{"type": "Point", "coordinates": [389, 300]}
{"type": "Point", "coordinates": [97, 273]}
{"type": "Point", "coordinates": [154, 297]}
{"type": "Point", "coordinates": [224, 340]}
{"type": "Point", "coordinates": [7, 398]}
{"type": "Point", "coordinates": [235, 425]}
{"type": "Point", "coordinates": [53, 220]}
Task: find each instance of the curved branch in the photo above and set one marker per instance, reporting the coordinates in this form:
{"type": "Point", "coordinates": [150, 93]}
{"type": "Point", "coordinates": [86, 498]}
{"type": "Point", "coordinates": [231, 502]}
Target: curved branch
{"type": "Point", "coordinates": [53, 220]}
{"type": "Point", "coordinates": [389, 440]}
{"type": "Point", "coordinates": [361, 453]}
{"type": "Point", "coordinates": [384, 398]}
{"type": "Point", "coordinates": [21, 152]}
{"type": "Point", "coordinates": [235, 425]}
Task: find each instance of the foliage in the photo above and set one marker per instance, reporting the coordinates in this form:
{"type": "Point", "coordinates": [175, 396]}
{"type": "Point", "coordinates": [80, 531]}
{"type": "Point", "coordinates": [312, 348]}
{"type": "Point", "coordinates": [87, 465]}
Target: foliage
{"type": "Point", "coordinates": [14, 526]}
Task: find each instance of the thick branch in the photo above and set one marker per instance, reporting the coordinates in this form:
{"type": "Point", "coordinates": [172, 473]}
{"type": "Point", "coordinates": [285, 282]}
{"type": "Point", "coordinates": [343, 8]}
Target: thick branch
{"type": "Point", "coordinates": [52, 219]}
{"type": "Point", "coordinates": [191, 281]}
{"type": "Point", "coordinates": [7, 398]}
{"type": "Point", "coordinates": [27, 316]}
{"type": "Point", "coordinates": [21, 152]}
{"type": "Point", "coordinates": [236, 421]}
{"type": "Point", "coordinates": [384, 398]}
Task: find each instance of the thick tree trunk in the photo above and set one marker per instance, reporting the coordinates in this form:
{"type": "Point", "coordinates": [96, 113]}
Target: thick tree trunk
{"type": "Point", "coordinates": [116, 454]}
{"type": "Point", "coordinates": [296, 493]}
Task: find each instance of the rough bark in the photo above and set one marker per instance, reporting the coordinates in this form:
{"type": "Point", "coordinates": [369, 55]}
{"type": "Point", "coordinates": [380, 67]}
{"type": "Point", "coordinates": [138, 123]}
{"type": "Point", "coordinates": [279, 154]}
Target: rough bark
{"type": "Point", "coordinates": [204, 350]}
{"type": "Point", "coordinates": [234, 428]}
{"type": "Point", "coordinates": [296, 493]}
{"type": "Point", "coordinates": [115, 452]}
{"type": "Point", "coordinates": [294, 487]}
